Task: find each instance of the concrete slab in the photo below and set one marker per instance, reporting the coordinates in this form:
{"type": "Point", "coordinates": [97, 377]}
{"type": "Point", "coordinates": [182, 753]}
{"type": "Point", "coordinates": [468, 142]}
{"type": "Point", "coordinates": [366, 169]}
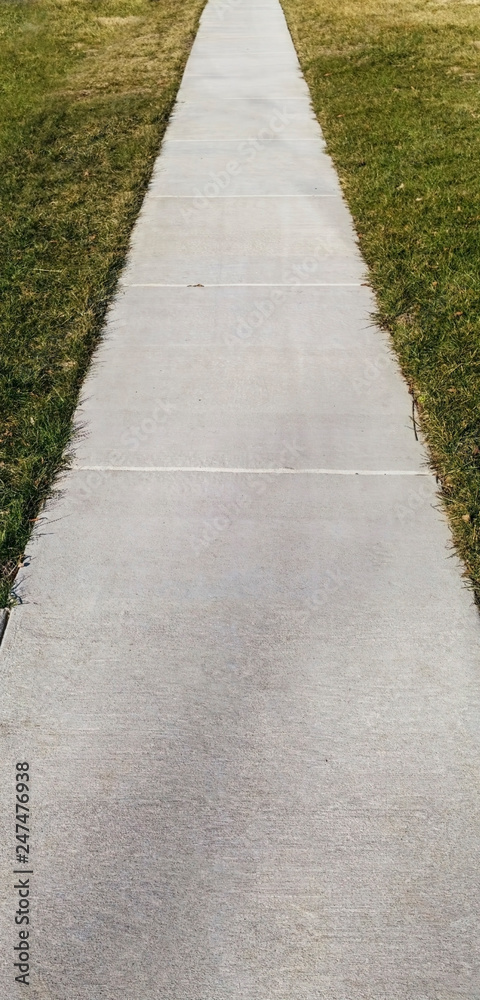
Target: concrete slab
{"type": "Point", "coordinates": [223, 6]}
{"type": "Point", "coordinates": [298, 766]}
{"type": "Point", "coordinates": [268, 552]}
{"type": "Point", "coordinates": [210, 388]}
{"type": "Point", "coordinates": [252, 240]}
{"type": "Point", "coordinates": [258, 23]}
{"type": "Point", "coordinates": [235, 65]}
{"type": "Point", "coordinates": [245, 669]}
{"type": "Point", "coordinates": [274, 85]}
{"type": "Point", "coordinates": [266, 18]}
{"type": "Point", "coordinates": [221, 43]}
{"type": "Point", "coordinates": [220, 8]}
{"type": "Point", "coordinates": [255, 119]}
{"type": "Point", "coordinates": [217, 168]}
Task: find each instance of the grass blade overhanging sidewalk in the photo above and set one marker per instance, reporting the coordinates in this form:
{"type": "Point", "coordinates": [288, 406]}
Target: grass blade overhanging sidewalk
{"type": "Point", "coordinates": [396, 89]}
{"type": "Point", "coordinates": [85, 95]}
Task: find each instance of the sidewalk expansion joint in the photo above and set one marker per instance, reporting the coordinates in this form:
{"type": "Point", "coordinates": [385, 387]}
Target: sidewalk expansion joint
{"type": "Point", "coordinates": [251, 284]}
{"type": "Point", "coordinates": [220, 139]}
{"type": "Point", "coordinates": [231, 197]}
{"type": "Point", "coordinates": [249, 471]}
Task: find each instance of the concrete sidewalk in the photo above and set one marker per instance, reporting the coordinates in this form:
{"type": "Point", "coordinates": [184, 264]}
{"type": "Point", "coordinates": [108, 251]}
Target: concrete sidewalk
{"type": "Point", "coordinates": [246, 672]}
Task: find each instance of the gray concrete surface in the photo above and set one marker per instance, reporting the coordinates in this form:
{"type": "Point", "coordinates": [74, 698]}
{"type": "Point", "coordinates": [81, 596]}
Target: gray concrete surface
{"type": "Point", "coordinates": [245, 671]}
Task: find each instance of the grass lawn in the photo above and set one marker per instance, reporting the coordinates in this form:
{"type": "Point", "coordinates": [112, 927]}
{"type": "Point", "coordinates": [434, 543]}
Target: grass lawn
{"type": "Point", "coordinates": [396, 89]}
{"type": "Point", "coordinates": [85, 93]}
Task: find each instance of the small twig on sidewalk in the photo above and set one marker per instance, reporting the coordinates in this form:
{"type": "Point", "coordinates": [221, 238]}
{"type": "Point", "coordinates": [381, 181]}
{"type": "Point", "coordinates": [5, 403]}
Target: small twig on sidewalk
{"type": "Point", "coordinates": [413, 417]}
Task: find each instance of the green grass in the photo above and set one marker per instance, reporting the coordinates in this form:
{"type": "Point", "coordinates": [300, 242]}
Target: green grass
{"type": "Point", "coordinates": [396, 89]}
{"type": "Point", "coordinates": [85, 94]}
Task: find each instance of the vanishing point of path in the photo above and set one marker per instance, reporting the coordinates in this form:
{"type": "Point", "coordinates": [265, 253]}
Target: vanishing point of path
{"type": "Point", "coordinates": [246, 672]}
